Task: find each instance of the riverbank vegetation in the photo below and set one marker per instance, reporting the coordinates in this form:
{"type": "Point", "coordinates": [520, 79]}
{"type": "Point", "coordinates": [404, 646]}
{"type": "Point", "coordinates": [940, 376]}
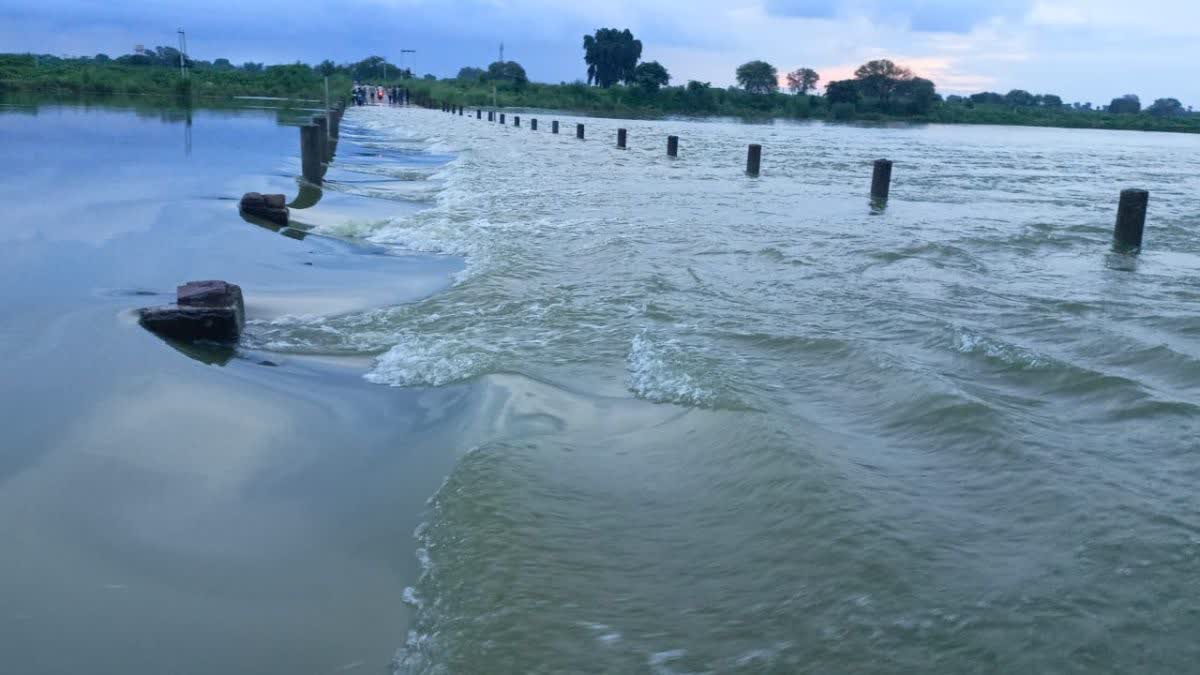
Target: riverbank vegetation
{"type": "Point", "coordinates": [158, 72]}
{"type": "Point", "coordinates": [618, 83]}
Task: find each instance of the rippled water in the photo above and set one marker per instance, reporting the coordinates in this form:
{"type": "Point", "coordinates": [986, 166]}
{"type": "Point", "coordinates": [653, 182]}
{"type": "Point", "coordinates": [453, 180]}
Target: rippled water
{"type": "Point", "coordinates": [765, 429]}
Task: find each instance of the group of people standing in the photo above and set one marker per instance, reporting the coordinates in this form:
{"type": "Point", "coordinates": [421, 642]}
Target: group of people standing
{"type": "Point", "coordinates": [365, 94]}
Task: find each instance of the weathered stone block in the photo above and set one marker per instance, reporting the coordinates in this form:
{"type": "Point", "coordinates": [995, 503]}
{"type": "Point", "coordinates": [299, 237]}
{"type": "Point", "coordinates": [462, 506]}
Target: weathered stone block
{"type": "Point", "coordinates": [212, 324]}
{"type": "Point", "coordinates": [211, 311]}
{"type": "Point", "coordinates": [271, 208]}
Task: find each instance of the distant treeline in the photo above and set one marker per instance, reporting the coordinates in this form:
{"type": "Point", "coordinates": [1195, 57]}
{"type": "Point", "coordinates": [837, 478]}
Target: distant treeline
{"type": "Point", "coordinates": [618, 83]}
{"type": "Point", "coordinates": [157, 72]}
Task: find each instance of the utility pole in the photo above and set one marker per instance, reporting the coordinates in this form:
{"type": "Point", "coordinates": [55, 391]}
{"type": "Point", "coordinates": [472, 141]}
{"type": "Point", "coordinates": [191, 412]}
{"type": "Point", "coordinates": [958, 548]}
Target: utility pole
{"type": "Point", "coordinates": [183, 73]}
{"type": "Point", "coordinates": [402, 53]}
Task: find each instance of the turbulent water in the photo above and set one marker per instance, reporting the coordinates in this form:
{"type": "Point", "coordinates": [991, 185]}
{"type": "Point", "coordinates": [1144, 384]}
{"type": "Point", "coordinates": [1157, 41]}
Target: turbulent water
{"type": "Point", "coordinates": [767, 429]}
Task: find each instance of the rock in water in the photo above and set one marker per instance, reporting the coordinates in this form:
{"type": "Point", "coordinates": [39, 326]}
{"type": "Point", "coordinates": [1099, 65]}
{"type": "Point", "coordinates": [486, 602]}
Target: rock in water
{"type": "Point", "coordinates": [271, 208]}
{"type": "Point", "coordinates": [211, 311]}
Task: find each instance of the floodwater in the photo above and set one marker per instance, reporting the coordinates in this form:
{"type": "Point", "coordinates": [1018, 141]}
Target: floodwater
{"type": "Point", "coordinates": [668, 418]}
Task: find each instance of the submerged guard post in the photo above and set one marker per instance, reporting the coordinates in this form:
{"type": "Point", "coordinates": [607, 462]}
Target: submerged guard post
{"type": "Point", "coordinates": [1131, 220]}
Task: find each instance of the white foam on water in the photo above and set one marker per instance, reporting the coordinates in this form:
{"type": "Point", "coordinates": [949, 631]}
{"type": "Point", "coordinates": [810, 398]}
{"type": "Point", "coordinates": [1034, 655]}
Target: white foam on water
{"type": "Point", "coordinates": [431, 361]}
{"type": "Point", "coordinates": [656, 373]}
{"type": "Point", "coordinates": [410, 597]}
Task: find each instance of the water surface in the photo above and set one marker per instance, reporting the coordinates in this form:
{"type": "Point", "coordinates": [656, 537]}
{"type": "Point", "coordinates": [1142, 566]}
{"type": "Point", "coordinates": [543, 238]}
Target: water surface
{"type": "Point", "coordinates": [687, 421]}
{"type": "Point", "coordinates": [769, 429]}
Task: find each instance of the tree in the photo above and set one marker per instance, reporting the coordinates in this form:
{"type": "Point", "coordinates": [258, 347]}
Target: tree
{"type": "Point", "coordinates": [987, 97]}
{"type": "Point", "coordinates": [651, 75]}
{"type": "Point", "coordinates": [102, 58]}
{"type": "Point", "coordinates": [879, 79]}
{"type": "Point", "coordinates": [1019, 98]}
{"type": "Point", "coordinates": [370, 68]}
{"type": "Point", "coordinates": [1166, 107]}
{"type": "Point", "coordinates": [327, 68]}
{"type": "Point", "coordinates": [1129, 103]}
{"type": "Point", "coordinates": [611, 56]}
{"type": "Point", "coordinates": [222, 64]}
{"type": "Point", "coordinates": [758, 77]}
{"type": "Point", "coordinates": [167, 56]}
{"type": "Point", "coordinates": [252, 67]}
{"type": "Point", "coordinates": [469, 74]}
{"type": "Point", "coordinates": [429, 77]}
{"type": "Point", "coordinates": [1052, 101]}
{"type": "Point", "coordinates": [507, 71]}
{"type": "Point", "coordinates": [803, 80]}
{"type": "Point", "coordinates": [842, 91]}
{"type": "Point", "coordinates": [918, 95]}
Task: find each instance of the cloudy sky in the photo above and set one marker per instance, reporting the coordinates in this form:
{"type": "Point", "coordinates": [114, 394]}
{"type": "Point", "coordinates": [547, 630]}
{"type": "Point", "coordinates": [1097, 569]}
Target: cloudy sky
{"type": "Point", "coordinates": [1084, 50]}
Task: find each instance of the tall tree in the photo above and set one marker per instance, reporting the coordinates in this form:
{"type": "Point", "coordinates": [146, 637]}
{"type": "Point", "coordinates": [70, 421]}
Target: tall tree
{"type": "Point", "coordinates": [611, 56]}
{"type": "Point", "coordinates": [469, 74]}
{"type": "Point", "coordinates": [1019, 98]}
{"type": "Point", "coordinates": [1129, 103]}
{"type": "Point", "coordinates": [879, 79]}
{"type": "Point", "coordinates": [507, 71]}
{"type": "Point", "coordinates": [803, 80]}
{"type": "Point", "coordinates": [758, 77]}
{"type": "Point", "coordinates": [651, 75]}
{"type": "Point", "coordinates": [370, 68]}
{"type": "Point", "coordinates": [917, 95]}
{"type": "Point", "coordinates": [1166, 107]}
{"type": "Point", "coordinates": [842, 91]}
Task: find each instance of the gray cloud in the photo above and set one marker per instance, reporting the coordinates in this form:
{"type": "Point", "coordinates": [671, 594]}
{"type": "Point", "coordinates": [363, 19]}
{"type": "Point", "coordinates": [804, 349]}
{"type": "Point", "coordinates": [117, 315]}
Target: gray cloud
{"type": "Point", "coordinates": [939, 16]}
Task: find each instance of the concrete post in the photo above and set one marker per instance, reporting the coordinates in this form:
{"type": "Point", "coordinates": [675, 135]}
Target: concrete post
{"type": "Point", "coordinates": [881, 180]}
{"type": "Point", "coordinates": [579, 131]}
{"type": "Point", "coordinates": [533, 124]}
{"type": "Point", "coordinates": [323, 125]}
{"type": "Point", "coordinates": [672, 146]}
{"type": "Point", "coordinates": [460, 111]}
{"type": "Point", "coordinates": [491, 116]}
{"type": "Point", "coordinates": [621, 137]}
{"type": "Point", "coordinates": [554, 127]}
{"type": "Point", "coordinates": [502, 118]}
{"type": "Point", "coordinates": [1131, 220]}
{"type": "Point", "coordinates": [478, 114]}
{"type": "Point", "coordinates": [310, 153]}
{"type": "Point", "coordinates": [516, 120]}
{"type": "Point", "coordinates": [753, 159]}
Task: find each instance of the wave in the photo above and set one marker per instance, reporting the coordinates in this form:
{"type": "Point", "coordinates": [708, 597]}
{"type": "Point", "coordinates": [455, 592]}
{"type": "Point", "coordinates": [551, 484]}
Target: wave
{"type": "Point", "coordinates": [967, 341]}
{"type": "Point", "coordinates": [428, 360]}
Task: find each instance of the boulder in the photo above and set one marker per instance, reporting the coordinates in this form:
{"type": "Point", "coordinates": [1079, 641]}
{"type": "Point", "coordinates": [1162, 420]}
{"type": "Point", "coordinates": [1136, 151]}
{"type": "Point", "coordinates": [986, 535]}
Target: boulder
{"type": "Point", "coordinates": [210, 311]}
{"type": "Point", "coordinates": [271, 208]}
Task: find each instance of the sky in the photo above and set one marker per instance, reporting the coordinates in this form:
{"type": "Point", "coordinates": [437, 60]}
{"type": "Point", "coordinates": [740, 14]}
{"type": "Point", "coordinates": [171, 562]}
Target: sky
{"type": "Point", "coordinates": [1082, 50]}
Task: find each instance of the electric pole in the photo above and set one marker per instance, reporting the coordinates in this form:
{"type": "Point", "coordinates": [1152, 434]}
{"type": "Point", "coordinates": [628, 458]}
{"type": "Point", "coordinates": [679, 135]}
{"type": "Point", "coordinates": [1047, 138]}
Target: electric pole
{"type": "Point", "coordinates": [183, 73]}
{"type": "Point", "coordinates": [402, 53]}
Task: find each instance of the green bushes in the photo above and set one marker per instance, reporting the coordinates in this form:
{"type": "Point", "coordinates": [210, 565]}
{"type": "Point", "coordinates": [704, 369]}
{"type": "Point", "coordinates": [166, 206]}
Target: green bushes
{"type": "Point", "coordinates": [22, 72]}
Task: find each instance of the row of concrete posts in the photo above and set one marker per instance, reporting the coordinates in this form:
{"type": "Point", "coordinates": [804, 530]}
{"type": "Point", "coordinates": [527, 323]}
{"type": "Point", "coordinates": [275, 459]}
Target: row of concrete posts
{"type": "Point", "coordinates": [318, 141]}
{"type": "Point", "coordinates": [1131, 211]}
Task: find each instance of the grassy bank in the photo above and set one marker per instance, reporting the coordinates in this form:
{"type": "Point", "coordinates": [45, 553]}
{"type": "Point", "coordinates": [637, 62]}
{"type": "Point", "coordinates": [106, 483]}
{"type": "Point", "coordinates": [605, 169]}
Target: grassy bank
{"type": "Point", "coordinates": [27, 73]}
